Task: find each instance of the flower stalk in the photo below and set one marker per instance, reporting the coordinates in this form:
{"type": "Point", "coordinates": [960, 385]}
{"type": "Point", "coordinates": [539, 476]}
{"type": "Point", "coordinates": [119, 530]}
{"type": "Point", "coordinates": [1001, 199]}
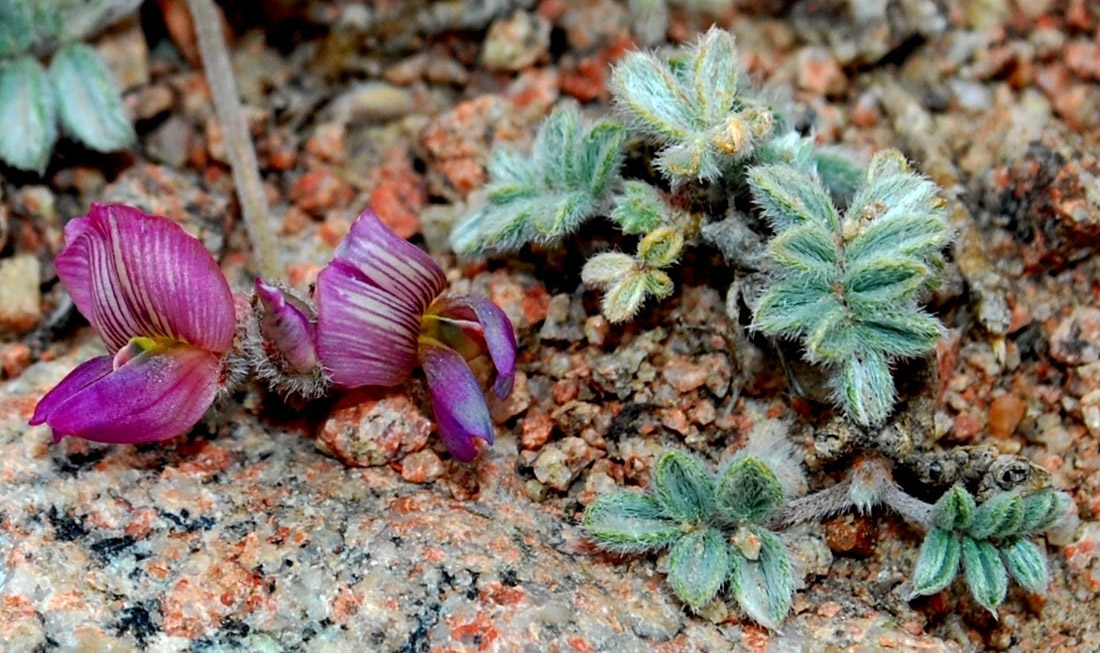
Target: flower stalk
{"type": "Point", "coordinates": [242, 154]}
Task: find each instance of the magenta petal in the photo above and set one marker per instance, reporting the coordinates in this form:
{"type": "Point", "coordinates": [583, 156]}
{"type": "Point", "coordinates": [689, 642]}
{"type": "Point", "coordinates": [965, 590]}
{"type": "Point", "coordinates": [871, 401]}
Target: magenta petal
{"type": "Point", "coordinates": [133, 275]}
{"type": "Point", "coordinates": [500, 338]}
{"type": "Point", "coordinates": [460, 409]}
{"type": "Point", "coordinates": [84, 375]}
{"type": "Point", "coordinates": [365, 336]}
{"type": "Point", "coordinates": [157, 395]}
{"type": "Point", "coordinates": [391, 263]}
{"type": "Point", "coordinates": [287, 328]}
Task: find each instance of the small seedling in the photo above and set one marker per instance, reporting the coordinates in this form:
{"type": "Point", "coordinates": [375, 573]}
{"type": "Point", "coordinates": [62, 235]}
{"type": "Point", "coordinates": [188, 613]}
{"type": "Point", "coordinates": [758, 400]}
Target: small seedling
{"type": "Point", "coordinates": [630, 280]}
{"type": "Point", "coordinates": [715, 528]}
{"type": "Point", "coordinates": [990, 542]}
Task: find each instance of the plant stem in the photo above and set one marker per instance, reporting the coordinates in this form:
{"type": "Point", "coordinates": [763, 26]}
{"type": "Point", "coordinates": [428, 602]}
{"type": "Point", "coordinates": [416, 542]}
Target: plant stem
{"type": "Point", "coordinates": [242, 156]}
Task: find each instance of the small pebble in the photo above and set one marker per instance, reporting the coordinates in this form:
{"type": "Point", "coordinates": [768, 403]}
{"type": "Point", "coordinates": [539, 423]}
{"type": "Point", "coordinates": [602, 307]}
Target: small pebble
{"type": "Point", "coordinates": [421, 467]}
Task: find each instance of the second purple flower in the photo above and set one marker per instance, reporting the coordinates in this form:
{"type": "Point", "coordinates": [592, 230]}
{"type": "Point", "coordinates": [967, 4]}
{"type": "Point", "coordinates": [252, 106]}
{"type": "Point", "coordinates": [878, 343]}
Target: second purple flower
{"type": "Point", "coordinates": [380, 315]}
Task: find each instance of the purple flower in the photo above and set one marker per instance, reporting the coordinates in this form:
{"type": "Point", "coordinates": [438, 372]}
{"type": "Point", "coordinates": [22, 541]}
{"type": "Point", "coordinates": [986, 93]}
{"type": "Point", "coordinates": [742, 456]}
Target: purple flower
{"type": "Point", "coordinates": [160, 303]}
{"type": "Point", "coordinates": [380, 315]}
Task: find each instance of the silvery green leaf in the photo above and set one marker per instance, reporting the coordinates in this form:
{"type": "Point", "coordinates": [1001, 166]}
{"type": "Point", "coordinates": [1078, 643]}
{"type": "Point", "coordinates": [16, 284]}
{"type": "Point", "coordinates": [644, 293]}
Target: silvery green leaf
{"type": "Point", "coordinates": [625, 297]}
{"type": "Point", "coordinates": [808, 249]}
{"type": "Point", "coordinates": [629, 522]}
{"type": "Point", "coordinates": [791, 149]}
{"type": "Point", "coordinates": [937, 562]}
{"type": "Point", "coordinates": [658, 284]}
{"type": "Point", "coordinates": [1026, 563]}
{"type": "Point", "coordinates": [1000, 516]}
{"type": "Point", "coordinates": [764, 588]}
{"type": "Point", "coordinates": [985, 573]}
{"type": "Point", "coordinates": [683, 486]}
{"type": "Point", "coordinates": [555, 150]}
{"type": "Point", "coordinates": [639, 208]}
{"type": "Point", "coordinates": [503, 193]}
{"type": "Point", "coordinates": [1042, 510]}
{"type": "Point", "coordinates": [49, 18]}
{"type": "Point", "coordinates": [790, 308]}
{"type": "Point", "coordinates": [901, 333]}
{"type": "Point", "coordinates": [748, 491]}
{"type": "Point", "coordinates": [601, 152]}
{"type": "Point", "coordinates": [28, 115]}
{"type": "Point", "coordinates": [840, 174]}
{"type": "Point", "coordinates": [661, 247]}
{"type": "Point", "coordinates": [916, 235]}
{"type": "Point", "coordinates": [698, 566]}
{"type": "Point", "coordinates": [894, 197]}
{"type": "Point", "coordinates": [560, 214]}
{"type": "Point", "coordinates": [885, 164]}
{"type": "Point", "coordinates": [90, 107]}
{"type": "Point", "coordinates": [833, 338]}
{"type": "Point", "coordinates": [646, 88]}
{"type": "Point", "coordinates": [955, 510]}
{"type": "Point", "coordinates": [714, 74]}
{"type": "Point", "coordinates": [607, 268]}
{"type": "Point", "coordinates": [690, 159]}
{"type": "Point", "coordinates": [16, 28]}
{"type": "Point", "coordinates": [511, 168]}
{"type": "Point", "coordinates": [884, 281]}
{"type": "Point", "coordinates": [466, 238]}
{"type": "Point", "coordinates": [865, 388]}
{"type": "Point", "coordinates": [790, 198]}
{"type": "Point", "coordinates": [507, 227]}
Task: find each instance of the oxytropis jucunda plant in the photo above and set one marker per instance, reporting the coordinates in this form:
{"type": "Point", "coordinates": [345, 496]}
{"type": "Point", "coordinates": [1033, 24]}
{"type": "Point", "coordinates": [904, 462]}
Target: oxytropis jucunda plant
{"type": "Point", "coordinates": [76, 91]}
{"type": "Point", "coordinates": [847, 285]}
{"type": "Point", "coordinates": [852, 250]}
{"type": "Point", "coordinates": [721, 531]}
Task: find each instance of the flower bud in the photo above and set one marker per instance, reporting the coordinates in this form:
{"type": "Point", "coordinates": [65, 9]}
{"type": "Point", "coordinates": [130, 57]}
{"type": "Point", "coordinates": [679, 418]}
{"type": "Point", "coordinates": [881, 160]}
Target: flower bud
{"type": "Point", "coordinates": [286, 329]}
